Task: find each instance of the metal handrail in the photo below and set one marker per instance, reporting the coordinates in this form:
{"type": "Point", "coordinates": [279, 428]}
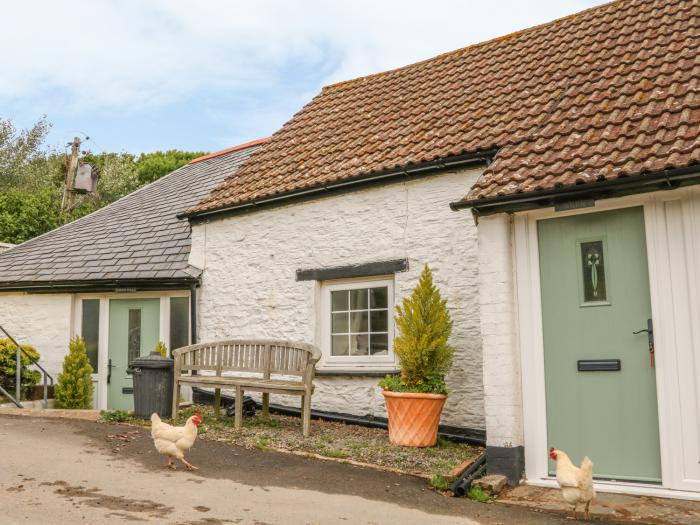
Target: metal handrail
{"type": "Point", "coordinates": [18, 373]}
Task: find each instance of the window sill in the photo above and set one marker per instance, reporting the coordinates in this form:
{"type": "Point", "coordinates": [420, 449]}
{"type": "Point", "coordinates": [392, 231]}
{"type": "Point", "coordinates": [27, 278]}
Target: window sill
{"type": "Point", "coordinates": [356, 372]}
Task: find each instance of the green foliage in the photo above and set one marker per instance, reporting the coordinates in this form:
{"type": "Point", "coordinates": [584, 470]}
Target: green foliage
{"type": "Point", "coordinates": [32, 180]}
{"type": "Point", "coordinates": [116, 416]}
{"type": "Point", "coordinates": [152, 166]}
{"type": "Point", "coordinates": [74, 387]}
{"type": "Point", "coordinates": [439, 482]}
{"type": "Point", "coordinates": [161, 349]}
{"type": "Point", "coordinates": [478, 494]}
{"type": "Point", "coordinates": [424, 327]}
{"type": "Point", "coordinates": [24, 215]}
{"type": "Point", "coordinates": [8, 367]}
{"type": "Point", "coordinates": [430, 385]}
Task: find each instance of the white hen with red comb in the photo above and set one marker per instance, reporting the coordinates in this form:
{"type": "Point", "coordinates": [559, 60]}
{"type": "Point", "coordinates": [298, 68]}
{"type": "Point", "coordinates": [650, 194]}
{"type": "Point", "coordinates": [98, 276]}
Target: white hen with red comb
{"type": "Point", "coordinates": [175, 441]}
{"type": "Point", "coordinates": [576, 483]}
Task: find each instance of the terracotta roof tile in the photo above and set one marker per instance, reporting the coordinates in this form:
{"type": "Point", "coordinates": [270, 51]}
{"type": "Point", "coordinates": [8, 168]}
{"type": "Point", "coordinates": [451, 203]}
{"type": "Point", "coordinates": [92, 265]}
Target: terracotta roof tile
{"type": "Point", "coordinates": [609, 92]}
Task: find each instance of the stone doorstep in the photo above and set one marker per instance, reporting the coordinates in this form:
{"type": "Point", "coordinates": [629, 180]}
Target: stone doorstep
{"type": "Point", "coordinates": [614, 507]}
{"type": "Point", "coordinates": [87, 415]}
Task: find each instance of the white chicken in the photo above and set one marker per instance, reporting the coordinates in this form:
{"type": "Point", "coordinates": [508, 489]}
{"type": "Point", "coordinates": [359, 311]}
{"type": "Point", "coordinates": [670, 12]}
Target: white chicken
{"type": "Point", "coordinates": [175, 441]}
{"type": "Point", "coordinates": [576, 483]}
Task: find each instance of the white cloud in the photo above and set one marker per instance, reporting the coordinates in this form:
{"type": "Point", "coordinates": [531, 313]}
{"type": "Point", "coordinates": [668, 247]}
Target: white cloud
{"type": "Point", "coordinates": [130, 55]}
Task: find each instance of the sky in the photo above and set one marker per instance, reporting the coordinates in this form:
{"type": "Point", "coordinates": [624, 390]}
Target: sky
{"type": "Point", "coordinates": [148, 75]}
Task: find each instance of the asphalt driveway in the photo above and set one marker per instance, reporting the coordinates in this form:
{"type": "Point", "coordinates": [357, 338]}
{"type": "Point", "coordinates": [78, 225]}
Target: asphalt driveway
{"type": "Point", "coordinates": [70, 472]}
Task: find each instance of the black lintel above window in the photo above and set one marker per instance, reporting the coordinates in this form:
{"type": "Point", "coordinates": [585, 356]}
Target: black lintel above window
{"type": "Point", "coordinates": [354, 270]}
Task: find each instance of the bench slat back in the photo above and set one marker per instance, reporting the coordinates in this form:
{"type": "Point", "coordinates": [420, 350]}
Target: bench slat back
{"type": "Point", "coordinates": [266, 357]}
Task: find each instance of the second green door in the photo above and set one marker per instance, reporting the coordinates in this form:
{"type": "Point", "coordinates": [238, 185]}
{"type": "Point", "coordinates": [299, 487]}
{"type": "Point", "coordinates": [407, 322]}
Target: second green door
{"type": "Point", "coordinates": [134, 328]}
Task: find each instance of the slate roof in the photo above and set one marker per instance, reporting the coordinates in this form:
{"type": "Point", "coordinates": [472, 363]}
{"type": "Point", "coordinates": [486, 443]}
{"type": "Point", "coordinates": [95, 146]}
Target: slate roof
{"type": "Point", "coordinates": [137, 237]}
{"type": "Point", "coordinates": [610, 92]}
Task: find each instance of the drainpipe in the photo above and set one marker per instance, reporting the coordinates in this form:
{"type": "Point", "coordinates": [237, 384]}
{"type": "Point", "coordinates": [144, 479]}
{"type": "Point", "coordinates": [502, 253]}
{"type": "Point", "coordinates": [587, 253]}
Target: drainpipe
{"type": "Point", "coordinates": [193, 313]}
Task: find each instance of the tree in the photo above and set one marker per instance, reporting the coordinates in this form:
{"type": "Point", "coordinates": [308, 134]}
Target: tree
{"type": "Point", "coordinates": [424, 327]}
{"type": "Point", "coordinates": [74, 386]}
{"type": "Point", "coordinates": [152, 166]}
{"type": "Point", "coordinates": [18, 150]}
{"type": "Point", "coordinates": [24, 214]}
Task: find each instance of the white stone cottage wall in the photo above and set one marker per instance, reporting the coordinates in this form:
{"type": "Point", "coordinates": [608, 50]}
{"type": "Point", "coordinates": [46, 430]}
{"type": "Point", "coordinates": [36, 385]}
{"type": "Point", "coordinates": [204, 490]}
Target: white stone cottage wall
{"type": "Point", "coordinates": [39, 320]}
{"type": "Point", "coordinates": [249, 288]}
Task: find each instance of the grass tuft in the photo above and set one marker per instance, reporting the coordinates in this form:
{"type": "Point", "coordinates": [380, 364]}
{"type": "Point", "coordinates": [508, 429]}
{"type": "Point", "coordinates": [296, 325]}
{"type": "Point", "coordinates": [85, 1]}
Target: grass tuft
{"type": "Point", "coordinates": [478, 494]}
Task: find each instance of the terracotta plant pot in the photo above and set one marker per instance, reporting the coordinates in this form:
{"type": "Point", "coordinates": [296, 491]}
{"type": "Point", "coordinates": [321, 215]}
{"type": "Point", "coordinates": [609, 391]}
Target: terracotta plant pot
{"type": "Point", "coordinates": [413, 417]}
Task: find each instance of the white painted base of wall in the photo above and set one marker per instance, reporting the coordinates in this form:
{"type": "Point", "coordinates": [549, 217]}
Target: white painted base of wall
{"type": "Point", "coordinates": [633, 489]}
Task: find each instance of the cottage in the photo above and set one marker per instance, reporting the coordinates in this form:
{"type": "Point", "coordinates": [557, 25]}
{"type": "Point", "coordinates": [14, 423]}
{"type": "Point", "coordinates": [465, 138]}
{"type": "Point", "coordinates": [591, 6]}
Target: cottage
{"type": "Point", "coordinates": [572, 285]}
{"type": "Point", "coordinates": [119, 277]}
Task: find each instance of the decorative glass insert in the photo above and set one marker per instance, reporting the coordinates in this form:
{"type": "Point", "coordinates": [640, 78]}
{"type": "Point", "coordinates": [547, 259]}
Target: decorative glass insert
{"type": "Point", "coordinates": [593, 266]}
{"type": "Point", "coordinates": [134, 336]}
{"type": "Point", "coordinates": [91, 330]}
{"type": "Point", "coordinates": [360, 322]}
{"type": "Point", "coordinates": [179, 322]}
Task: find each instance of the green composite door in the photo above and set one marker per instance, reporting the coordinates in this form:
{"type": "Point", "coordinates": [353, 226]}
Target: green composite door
{"type": "Point", "coordinates": [134, 325]}
{"type": "Point", "coordinates": [595, 293]}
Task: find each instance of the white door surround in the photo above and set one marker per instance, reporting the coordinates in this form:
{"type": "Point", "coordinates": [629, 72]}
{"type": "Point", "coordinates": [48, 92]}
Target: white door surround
{"type": "Point", "coordinates": [672, 222]}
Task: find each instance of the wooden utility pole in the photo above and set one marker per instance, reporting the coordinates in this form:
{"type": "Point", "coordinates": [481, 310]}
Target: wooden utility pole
{"type": "Point", "coordinates": [68, 192]}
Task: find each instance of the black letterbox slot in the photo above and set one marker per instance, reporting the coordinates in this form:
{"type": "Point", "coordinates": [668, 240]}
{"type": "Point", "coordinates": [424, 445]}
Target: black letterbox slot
{"type": "Point", "coordinates": [599, 365]}
{"type": "Point", "coordinates": [128, 390]}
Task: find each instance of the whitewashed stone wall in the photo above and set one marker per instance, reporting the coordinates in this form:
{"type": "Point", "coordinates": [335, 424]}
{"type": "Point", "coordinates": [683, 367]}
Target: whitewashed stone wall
{"type": "Point", "coordinates": [42, 321]}
{"type": "Point", "coordinates": [502, 384]}
{"type": "Point", "coordinates": [249, 288]}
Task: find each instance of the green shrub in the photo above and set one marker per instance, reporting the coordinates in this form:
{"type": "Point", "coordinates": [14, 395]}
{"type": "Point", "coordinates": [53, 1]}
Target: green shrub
{"type": "Point", "coordinates": [8, 367]}
{"type": "Point", "coordinates": [74, 387]}
{"type": "Point", "coordinates": [115, 416]}
{"type": "Point", "coordinates": [161, 349]}
{"type": "Point", "coordinates": [424, 327]}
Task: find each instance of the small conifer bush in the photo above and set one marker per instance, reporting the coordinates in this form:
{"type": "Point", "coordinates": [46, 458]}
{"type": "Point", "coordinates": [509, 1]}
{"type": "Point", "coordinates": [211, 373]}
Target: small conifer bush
{"type": "Point", "coordinates": [74, 387]}
{"type": "Point", "coordinates": [424, 326]}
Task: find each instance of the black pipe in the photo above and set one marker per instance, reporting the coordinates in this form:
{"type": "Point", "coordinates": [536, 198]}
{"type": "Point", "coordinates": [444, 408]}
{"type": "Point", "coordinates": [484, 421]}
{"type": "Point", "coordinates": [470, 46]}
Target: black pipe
{"type": "Point", "coordinates": [193, 314]}
{"type": "Point", "coordinates": [456, 434]}
{"type": "Point", "coordinates": [461, 485]}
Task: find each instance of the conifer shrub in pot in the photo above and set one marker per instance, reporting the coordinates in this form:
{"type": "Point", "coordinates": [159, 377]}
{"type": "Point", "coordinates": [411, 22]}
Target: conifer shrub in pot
{"type": "Point", "coordinates": [415, 398]}
{"type": "Point", "coordinates": [74, 386]}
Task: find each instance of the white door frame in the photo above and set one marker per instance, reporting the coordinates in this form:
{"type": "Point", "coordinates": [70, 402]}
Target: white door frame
{"type": "Point", "coordinates": [100, 379]}
{"type": "Point", "coordinates": [525, 245]}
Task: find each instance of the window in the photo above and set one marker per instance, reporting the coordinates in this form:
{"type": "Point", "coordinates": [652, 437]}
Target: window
{"type": "Point", "coordinates": [358, 322]}
{"type": "Point", "coordinates": [90, 330]}
{"type": "Point", "coordinates": [179, 322]}
{"type": "Point", "coordinates": [134, 335]}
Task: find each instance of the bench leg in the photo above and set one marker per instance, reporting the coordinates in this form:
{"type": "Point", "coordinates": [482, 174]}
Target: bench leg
{"type": "Point", "coordinates": [266, 404]}
{"type": "Point", "coordinates": [176, 399]}
{"type": "Point", "coordinates": [238, 418]}
{"type": "Point", "coordinates": [306, 414]}
{"type": "Point", "coordinates": [217, 401]}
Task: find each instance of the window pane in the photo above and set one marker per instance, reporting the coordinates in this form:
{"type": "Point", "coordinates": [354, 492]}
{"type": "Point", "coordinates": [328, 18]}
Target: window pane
{"type": "Point", "coordinates": [379, 321]}
{"type": "Point", "coordinates": [340, 323]}
{"type": "Point", "coordinates": [359, 344]}
{"type": "Point", "coordinates": [594, 285]}
{"type": "Point", "coordinates": [340, 345]}
{"type": "Point", "coordinates": [358, 299]}
{"type": "Point", "coordinates": [380, 344]}
{"type": "Point", "coordinates": [358, 322]}
{"type": "Point", "coordinates": [179, 322]}
{"type": "Point", "coordinates": [378, 297]}
{"type": "Point", "coordinates": [134, 344]}
{"type": "Point", "coordinates": [339, 300]}
{"type": "Point", "coordinates": [91, 330]}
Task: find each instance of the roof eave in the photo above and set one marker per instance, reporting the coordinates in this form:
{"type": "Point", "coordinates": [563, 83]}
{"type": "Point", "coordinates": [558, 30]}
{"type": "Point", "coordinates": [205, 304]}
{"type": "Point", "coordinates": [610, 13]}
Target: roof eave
{"type": "Point", "coordinates": [659, 181]}
{"type": "Point", "coordinates": [99, 285]}
{"type": "Point", "coordinates": [424, 168]}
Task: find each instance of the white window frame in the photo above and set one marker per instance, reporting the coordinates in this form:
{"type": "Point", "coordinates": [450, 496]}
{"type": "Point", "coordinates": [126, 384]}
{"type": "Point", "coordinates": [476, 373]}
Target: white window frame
{"type": "Point", "coordinates": [380, 362]}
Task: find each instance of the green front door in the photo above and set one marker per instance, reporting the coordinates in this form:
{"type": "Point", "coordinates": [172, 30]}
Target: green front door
{"type": "Point", "coordinates": [134, 325]}
{"type": "Point", "coordinates": [595, 293]}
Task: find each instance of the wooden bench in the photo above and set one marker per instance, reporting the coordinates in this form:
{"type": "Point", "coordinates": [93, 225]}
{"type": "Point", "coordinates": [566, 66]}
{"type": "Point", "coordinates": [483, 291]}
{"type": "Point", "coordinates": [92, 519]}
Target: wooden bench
{"type": "Point", "coordinates": [262, 361]}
